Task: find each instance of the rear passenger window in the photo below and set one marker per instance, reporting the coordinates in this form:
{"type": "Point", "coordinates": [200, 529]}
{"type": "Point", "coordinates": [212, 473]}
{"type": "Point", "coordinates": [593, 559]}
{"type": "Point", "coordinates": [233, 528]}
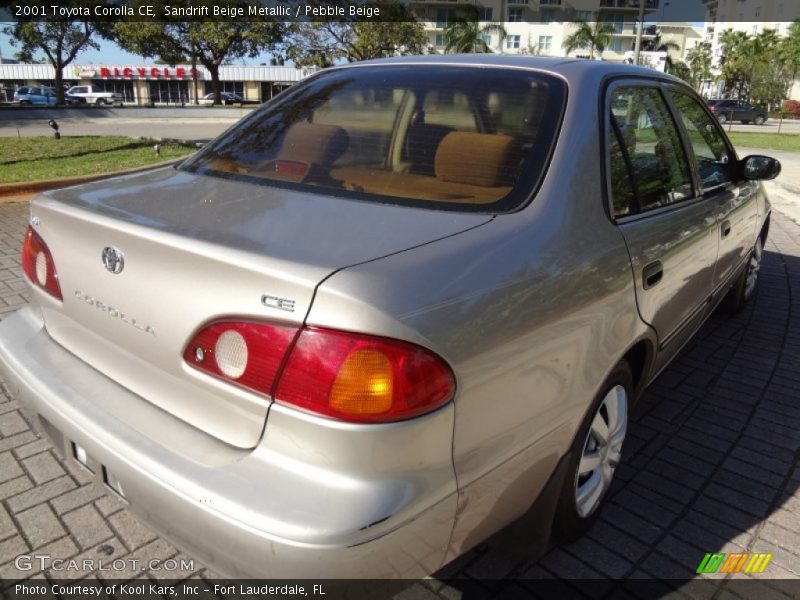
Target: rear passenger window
{"type": "Point", "coordinates": [651, 145]}
{"type": "Point", "coordinates": [622, 192]}
{"type": "Point", "coordinates": [710, 150]}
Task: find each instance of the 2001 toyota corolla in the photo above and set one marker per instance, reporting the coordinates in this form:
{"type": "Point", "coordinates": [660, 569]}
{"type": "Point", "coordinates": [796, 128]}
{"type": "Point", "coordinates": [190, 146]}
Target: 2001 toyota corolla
{"type": "Point", "coordinates": [373, 322]}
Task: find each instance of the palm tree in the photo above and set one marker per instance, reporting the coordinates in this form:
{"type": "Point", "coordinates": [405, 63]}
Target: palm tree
{"type": "Point", "coordinates": [657, 45]}
{"type": "Point", "coordinates": [464, 34]}
{"type": "Point", "coordinates": [594, 36]}
{"type": "Point", "coordinates": [698, 60]}
{"type": "Point", "coordinates": [789, 49]}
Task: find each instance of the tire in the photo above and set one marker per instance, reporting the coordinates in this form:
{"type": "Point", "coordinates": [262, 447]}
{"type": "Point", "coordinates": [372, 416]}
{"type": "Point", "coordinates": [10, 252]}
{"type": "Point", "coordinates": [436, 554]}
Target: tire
{"type": "Point", "coordinates": [760, 120]}
{"type": "Point", "coordinates": [722, 118]}
{"type": "Point", "coordinates": [746, 284]}
{"type": "Point", "coordinates": [582, 493]}
{"type": "Point", "coordinates": [99, 102]}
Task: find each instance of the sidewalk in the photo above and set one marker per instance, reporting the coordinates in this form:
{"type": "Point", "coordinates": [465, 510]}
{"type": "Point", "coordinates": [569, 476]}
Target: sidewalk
{"type": "Point", "coordinates": [784, 192]}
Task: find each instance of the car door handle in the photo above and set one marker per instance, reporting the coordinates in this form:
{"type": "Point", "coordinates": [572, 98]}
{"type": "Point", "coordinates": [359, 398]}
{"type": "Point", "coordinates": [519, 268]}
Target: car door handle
{"type": "Point", "coordinates": [652, 274]}
{"type": "Point", "coordinates": [726, 228]}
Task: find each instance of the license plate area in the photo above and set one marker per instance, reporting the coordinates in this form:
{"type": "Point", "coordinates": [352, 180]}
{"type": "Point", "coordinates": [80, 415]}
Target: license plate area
{"type": "Point", "coordinates": [72, 451]}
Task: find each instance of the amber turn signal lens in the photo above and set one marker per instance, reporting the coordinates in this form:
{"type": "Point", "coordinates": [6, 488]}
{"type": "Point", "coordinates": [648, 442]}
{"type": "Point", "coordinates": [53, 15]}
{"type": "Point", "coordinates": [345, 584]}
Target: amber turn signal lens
{"type": "Point", "coordinates": [364, 384]}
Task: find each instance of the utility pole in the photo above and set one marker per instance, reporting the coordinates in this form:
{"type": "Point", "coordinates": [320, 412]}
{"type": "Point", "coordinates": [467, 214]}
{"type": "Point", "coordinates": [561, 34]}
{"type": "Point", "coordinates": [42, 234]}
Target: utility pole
{"type": "Point", "coordinates": [638, 47]}
{"type": "Point", "coordinates": [194, 72]}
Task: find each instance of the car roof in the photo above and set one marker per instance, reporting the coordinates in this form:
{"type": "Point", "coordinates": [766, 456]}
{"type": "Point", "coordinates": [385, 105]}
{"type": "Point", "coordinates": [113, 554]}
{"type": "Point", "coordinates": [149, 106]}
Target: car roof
{"type": "Point", "coordinates": [572, 69]}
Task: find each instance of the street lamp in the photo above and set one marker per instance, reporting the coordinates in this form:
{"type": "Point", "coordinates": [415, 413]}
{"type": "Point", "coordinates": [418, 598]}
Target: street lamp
{"type": "Point", "coordinates": [638, 47]}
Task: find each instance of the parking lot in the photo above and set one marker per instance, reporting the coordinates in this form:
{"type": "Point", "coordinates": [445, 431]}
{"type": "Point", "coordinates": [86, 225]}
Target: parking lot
{"type": "Point", "coordinates": [710, 465]}
{"type": "Point", "coordinates": [192, 123]}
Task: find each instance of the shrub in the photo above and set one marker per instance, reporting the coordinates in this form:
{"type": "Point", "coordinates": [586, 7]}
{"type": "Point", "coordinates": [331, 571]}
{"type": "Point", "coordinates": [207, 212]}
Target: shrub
{"type": "Point", "coordinates": [792, 107]}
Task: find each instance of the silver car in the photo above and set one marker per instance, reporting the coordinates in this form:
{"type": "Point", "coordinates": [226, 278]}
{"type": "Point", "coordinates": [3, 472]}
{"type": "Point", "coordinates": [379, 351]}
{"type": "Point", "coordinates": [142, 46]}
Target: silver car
{"type": "Point", "coordinates": [389, 313]}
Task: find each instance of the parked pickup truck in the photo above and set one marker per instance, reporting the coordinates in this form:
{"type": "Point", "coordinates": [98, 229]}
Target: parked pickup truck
{"type": "Point", "coordinates": [89, 94]}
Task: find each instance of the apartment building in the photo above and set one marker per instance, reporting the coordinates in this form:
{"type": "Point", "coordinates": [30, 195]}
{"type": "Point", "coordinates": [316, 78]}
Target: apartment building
{"type": "Point", "coordinates": [539, 27]}
{"type": "Point", "coordinates": [752, 17]}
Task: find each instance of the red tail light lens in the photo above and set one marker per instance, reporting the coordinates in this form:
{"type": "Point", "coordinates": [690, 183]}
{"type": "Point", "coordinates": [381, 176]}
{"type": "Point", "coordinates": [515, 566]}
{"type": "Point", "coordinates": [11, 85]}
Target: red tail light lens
{"type": "Point", "coordinates": [38, 265]}
{"type": "Point", "coordinates": [363, 379]}
{"type": "Point", "coordinates": [242, 353]}
{"type": "Point", "coordinates": [346, 376]}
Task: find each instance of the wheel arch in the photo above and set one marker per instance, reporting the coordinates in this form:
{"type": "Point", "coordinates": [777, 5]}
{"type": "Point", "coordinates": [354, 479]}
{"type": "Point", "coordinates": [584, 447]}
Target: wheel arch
{"type": "Point", "coordinates": [765, 229]}
{"type": "Point", "coordinates": [640, 357]}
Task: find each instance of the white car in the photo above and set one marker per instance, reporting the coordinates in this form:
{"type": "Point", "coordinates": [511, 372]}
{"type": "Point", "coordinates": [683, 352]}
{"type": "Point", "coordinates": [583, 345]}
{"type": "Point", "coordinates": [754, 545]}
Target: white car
{"type": "Point", "coordinates": [226, 97]}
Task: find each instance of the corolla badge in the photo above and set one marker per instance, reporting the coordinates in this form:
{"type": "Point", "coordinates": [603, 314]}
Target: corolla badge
{"type": "Point", "coordinates": [113, 260]}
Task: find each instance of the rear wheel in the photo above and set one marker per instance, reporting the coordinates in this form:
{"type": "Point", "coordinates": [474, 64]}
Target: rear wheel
{"type": "Point", "coordinates": [99, 102]}
{"type": "Point", "coordinates": [759, 120]}
{"type": "Point", "coordinates": [722, 118]}
{"type": "Point", "coordinates": [596, 452]}
{"type": "Point", "coordinates": [745, 287]}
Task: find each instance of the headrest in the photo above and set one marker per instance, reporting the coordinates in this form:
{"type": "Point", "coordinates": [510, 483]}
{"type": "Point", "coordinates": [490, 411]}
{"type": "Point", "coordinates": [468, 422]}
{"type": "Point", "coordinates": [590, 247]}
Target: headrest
{"type": "Point", "coordinates": [314, 143]}
{"type": "Point", "coordinates": [475, 158]}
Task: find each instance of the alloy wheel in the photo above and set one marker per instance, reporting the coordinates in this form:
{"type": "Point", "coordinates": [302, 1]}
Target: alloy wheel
{"type": "Point", "coordinates": [602, 451]}
{"type": "Point", "coordinates": [752, 269]}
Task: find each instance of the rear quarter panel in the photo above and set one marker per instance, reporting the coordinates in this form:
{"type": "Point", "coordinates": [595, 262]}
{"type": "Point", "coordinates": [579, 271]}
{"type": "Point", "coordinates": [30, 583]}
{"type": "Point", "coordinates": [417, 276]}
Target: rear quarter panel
{"type": "Point", "coordinates": [532, 310]}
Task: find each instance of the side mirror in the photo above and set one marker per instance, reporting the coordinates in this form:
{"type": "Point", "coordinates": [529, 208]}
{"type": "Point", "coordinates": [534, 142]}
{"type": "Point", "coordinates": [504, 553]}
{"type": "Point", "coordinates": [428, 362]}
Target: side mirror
{"type": "Point", "coordinates": [755, 167]}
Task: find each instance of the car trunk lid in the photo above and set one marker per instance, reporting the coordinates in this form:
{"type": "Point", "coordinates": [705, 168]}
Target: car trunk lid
{"type": "Point", "coordinates": [196, 249]}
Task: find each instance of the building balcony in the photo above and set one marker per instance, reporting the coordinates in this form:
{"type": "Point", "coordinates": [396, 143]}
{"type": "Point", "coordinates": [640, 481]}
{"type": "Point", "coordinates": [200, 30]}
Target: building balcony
{"type": "Point", "coordinates": [628, 4]}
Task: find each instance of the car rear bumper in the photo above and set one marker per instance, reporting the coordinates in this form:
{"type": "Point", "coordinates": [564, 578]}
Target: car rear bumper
{"type": "Point", "coordinates": [217, 502]}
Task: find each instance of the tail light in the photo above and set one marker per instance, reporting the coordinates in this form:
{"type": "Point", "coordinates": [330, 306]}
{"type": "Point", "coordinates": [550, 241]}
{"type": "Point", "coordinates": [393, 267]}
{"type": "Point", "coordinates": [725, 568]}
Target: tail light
{"type": "Point", "coordinates": [246, 354]}
{"type": "Point", "coordinates": [38, 265]}
{"type": "Point", "coordinates": [346, 376]}
{"type": "Point", "coordinates": [363, 378]}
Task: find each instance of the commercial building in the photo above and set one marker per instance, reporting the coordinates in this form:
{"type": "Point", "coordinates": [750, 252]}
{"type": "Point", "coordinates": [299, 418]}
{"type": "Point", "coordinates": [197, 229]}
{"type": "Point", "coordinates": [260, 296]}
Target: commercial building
{"type": "Point", "coordinates": [156, 84]}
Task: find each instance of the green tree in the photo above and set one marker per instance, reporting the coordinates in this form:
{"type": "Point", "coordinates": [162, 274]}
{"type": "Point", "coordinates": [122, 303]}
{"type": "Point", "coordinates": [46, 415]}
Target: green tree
{"type": "Point", "coordinates": [769, 82]}
{"type": "Point", "coordinates": [61, 41]}
{"type": "Point", "coordinates": [211, 43]}
{"type": "Point", "coordinates": [464, 33]}
{"type": "Point", "coordinates": [698, 61]}
{"type": "Point", "coordinates": [735, 62]}
{"type": "Point", "coordinates": [682, 70]}
{"type": "Point", "coordinates": [594, 36]}
{"type": "Point", "coordinates": [321, 44]}
{"type": "Point", "coordinates": [752, 67]}
{"type": "Point", "coordinates": [789, 49]}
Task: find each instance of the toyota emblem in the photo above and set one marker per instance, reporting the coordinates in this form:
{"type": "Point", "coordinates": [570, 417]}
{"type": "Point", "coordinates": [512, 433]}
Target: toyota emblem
{"type": "Point", "coordinates": [113, 260]}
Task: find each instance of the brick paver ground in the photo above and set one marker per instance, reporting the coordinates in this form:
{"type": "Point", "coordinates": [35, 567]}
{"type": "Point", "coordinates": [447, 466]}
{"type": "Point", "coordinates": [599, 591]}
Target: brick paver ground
{"type": "Point", "coordinates": [711, 463]}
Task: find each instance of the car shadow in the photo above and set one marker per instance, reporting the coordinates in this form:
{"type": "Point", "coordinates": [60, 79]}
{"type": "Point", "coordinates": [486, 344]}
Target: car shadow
{"type": "Point", "coordinates": [709, 467]}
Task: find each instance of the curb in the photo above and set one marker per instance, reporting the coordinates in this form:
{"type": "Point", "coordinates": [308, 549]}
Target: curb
{"type": "Point", "coordinates": [27, 187]}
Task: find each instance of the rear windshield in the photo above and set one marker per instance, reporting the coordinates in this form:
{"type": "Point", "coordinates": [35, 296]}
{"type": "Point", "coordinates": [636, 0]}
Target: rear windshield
{"type": "Point", "coordinates": [464, 138]}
